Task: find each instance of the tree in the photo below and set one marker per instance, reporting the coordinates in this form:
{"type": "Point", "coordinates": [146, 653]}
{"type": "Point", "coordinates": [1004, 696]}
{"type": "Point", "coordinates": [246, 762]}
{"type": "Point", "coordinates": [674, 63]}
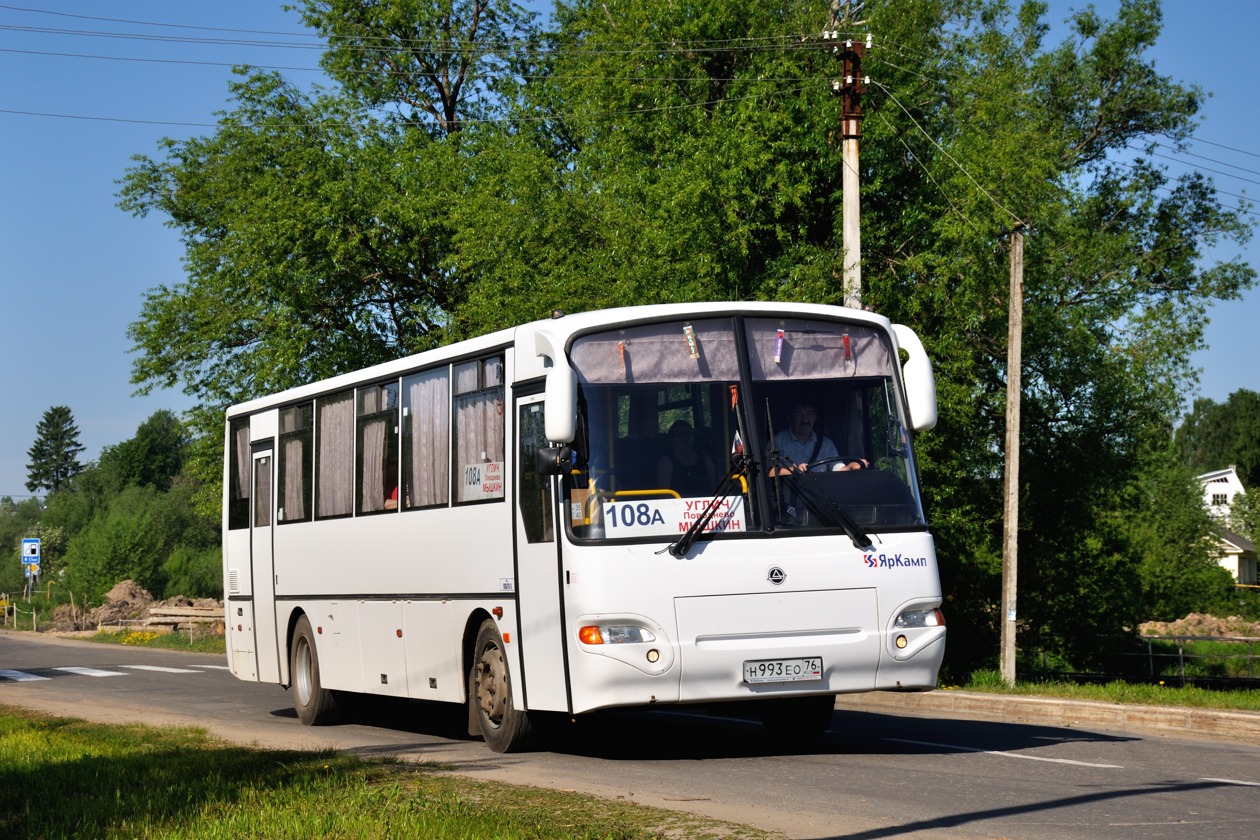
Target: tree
{"type": "Point", "coordinates": [688, 149]}
{"type": "Point", "coordinates": [18, 520]}
{"type": "Point", "coordinates": [1244, 515]}
{"type": "Point", "coordinates": [1216, 435]}
{"type": "Point", "coordinates": [135, 537]}
{"type": "Point", "coordinates": [150, 459]}
{"type": "Point", "coordinates": [54, 455]}
{"type": "Point", "coordinates": [433, 64]}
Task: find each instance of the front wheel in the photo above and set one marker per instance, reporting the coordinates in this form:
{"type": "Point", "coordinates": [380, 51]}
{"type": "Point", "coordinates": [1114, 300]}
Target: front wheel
{"type": "Point", "coordinates": [504, 727]}
{"type": "Point", "coordinates": [315, 705]}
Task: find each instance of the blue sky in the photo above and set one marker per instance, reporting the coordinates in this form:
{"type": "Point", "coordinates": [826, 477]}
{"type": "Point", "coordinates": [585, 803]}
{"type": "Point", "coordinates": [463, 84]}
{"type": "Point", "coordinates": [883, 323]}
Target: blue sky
{"type": "Point", "coordinates": [74, 268]}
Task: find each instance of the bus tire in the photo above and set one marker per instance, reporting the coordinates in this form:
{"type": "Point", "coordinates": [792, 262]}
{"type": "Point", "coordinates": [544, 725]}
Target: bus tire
{"type": "Point", "coordinates": [797, 721]}
{"type": "Point", "coordinates": [504, 727]}
{"type": "Point", "coordinates": [315, 705]}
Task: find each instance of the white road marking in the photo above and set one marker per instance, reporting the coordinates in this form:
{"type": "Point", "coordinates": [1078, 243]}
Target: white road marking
{"type": "Point", "coordinates": [20, 676]}
{"type": "Point", "coordinates": [160, 668]}
{"type": "Point", "coordinates": [1005, 754]}
{"type": "Point", "coordinates": [91, 672]}
{"type": "Point", "coordinates": [1232, 782]}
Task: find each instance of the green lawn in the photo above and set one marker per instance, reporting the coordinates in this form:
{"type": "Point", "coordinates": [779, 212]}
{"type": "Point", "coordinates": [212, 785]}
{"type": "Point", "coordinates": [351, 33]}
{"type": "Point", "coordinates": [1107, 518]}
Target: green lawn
{"type": "Point", "coordinates": [61, 777]}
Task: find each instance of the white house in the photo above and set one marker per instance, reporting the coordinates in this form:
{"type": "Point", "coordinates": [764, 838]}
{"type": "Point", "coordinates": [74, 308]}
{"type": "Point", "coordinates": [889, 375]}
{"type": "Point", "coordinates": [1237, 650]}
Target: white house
{"type": "Point", "coordinates": [1219, 489]}
{"type": "Point", "coordinates": [1234, 553]}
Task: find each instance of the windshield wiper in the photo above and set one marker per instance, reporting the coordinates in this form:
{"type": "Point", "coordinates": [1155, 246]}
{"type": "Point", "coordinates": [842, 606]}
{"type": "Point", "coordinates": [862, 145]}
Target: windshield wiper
{"type": "Point", "coordinates": [804, 486]}
{"type": "Point", "coordinates": [683, 544]}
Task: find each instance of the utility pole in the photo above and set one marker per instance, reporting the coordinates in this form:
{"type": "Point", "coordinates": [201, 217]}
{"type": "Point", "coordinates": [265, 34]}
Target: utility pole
{"type": "Point", "coordinates": [850, 87]}
{"type": "Point", "coordinates": [1014, 385]}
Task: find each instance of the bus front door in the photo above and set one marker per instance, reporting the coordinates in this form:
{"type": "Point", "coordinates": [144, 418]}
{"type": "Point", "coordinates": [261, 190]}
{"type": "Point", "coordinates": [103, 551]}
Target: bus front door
{"type": "Point", "coordinates": [537, 568]}
{"type": "Point", "coordinates": [262, 574]}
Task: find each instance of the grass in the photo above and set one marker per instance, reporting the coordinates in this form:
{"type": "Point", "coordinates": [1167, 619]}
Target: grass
{"type": "Point", "coordinates": [1163, 693]}
{"type": "Point", "coordinates": [62, 777]}
{"type": "Point", "coordinates": [167, 641]}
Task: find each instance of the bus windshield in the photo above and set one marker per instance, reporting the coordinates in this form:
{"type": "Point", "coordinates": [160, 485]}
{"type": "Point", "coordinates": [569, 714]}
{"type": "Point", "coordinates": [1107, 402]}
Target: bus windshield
{"type": "Point", "coordinates": [754, 424]}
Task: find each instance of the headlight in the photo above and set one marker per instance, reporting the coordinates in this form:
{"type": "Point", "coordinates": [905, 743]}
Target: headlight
{"type": "Point", "coordinates": [920, 618]}
{"type": "Point", "coordinates": [614, 634]}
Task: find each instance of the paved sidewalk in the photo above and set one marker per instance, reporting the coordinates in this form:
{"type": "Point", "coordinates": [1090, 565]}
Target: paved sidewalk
{"type": "Point", "coordinates": [1241, 727]}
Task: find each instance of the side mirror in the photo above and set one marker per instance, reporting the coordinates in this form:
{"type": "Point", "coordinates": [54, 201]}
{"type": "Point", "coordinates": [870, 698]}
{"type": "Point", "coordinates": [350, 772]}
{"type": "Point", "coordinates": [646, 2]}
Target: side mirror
{"type": "Point", "coordinates": [919, 380]}
{"type": "Point", "coordinates": [560, 390]}
{"type": "Point", "coordinates": [555, 460]}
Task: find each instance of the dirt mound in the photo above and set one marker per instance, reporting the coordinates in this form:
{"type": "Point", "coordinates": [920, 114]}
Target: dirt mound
{"type": "Point", "coordinates": [1199, 624]}
{"type": "Point", "coordinates": [126, 603]}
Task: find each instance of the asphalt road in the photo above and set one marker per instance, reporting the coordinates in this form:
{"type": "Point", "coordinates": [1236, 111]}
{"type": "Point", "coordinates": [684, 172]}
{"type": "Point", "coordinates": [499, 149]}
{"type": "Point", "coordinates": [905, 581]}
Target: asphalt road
{"type": "Point", "coordinates": [876, 775]}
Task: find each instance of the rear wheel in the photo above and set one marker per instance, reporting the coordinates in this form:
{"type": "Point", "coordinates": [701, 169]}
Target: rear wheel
{"type": "Point", "coordinates": [504, 727]}
{"type": "Point", "coordinates": [798, 721]}
{"type": "Point", "coordinates": [315, 705]}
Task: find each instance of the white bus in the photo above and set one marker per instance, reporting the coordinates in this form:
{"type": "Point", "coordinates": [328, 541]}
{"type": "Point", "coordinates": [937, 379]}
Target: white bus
{"type": "Point", "coordinates": [607, 509]}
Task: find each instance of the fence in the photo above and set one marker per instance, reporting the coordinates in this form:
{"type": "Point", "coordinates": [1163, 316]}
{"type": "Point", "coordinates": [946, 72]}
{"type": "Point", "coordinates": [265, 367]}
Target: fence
{"type": "Point", "coordinates": [1250, 669]}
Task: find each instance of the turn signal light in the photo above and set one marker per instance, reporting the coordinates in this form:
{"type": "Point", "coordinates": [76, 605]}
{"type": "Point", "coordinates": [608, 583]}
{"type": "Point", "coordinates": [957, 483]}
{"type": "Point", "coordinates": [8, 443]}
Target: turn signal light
{"type": "Point", "coordinates": [614, 634]}
{"type": "Point", "coordinates": [589, 635]}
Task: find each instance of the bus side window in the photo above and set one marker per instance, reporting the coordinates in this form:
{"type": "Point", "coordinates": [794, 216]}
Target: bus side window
{"type": "Point", "coordinates": [378, 448]}
{"type": "Point", "coordinates": [535, 488]}
{"type": "Point", "coordinates": [479, 430]}
{"type": "Point", "coordinates": [426, 458]}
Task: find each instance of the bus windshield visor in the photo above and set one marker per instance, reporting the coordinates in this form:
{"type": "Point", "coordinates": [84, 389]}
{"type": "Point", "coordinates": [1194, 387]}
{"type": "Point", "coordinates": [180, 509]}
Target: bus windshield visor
{"type": "Point", "coordinates": [757, 424]}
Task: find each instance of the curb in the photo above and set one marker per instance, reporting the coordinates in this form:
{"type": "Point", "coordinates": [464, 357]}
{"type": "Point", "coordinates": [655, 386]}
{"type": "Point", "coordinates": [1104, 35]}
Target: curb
{"type": "Point", "coordinates": [1163, 720]}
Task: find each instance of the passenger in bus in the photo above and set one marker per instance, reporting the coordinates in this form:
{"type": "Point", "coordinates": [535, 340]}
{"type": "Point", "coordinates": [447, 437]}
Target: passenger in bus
{"type": "Point", "coordinates": [391, 503]}
{"type": "Point", "coordinates": [684, 470]}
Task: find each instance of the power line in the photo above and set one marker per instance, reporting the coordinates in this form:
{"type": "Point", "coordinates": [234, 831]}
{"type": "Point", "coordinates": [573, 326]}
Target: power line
{"type": "Point", "coordinates": [749, 44]}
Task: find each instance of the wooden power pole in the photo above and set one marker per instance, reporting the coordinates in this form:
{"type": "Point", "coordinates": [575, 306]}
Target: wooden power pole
{"type": "Point", "coordinates": [1010, 526]}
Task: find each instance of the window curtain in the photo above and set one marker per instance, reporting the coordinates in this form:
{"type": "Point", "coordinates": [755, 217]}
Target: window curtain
{"type": "Point", "coordinates": [294, 501]}
{"type": "Point", "coordinates": [479, 429]}
{"type": "Point", "coordinates": [241, 443]}
{"type": "Point", "coordinates": [372, 444]}
{"type": "Point", "coordinates": [335, 470]}
{"type": "Point", "coordinates": [428, 426]}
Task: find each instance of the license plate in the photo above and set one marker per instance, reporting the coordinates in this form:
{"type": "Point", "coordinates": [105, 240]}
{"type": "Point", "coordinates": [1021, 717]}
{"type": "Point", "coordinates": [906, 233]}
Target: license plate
{"type": "Point", "coordinates": [783, 670]}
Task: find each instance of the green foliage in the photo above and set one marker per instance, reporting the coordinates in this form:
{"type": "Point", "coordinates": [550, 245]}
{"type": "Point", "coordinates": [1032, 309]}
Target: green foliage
{"type": "Point", "coordinates": [1217, 435]}
{"type": "Point", "coordinates": [195, 573]}
{"type": "Point", "coordinates": [137, 535]}
{"type": "Point", "coordinates": [54, 457]}
{"type": "Point", "coordinates": [667, 150]}
{"type": "Point", "coordinates": [18, 520]}
{"type": "Point", "coordinates": [443, 62]}
{"type": "Point", "coordinates": [1170, 532]}
{"type": "Point", "coordinates": [1244, 515]}
{"type": "Point", "coordinates": [128, 539]}
{"type": "Point", "coordinates": [150, 459]}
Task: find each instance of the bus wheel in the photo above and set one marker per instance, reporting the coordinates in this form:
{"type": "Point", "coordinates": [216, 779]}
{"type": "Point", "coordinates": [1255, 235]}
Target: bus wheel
{"type": "Point", "coordinates": [315, 704]}
{"type": "Point", "coordinates": [504, 727]}
{"type": "Point", "coordinates": [797, 721]}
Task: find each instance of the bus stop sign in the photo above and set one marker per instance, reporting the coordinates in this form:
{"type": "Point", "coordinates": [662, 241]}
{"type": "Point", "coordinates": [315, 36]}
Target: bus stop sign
{"type": "Point", "coordinates": [30, 556]}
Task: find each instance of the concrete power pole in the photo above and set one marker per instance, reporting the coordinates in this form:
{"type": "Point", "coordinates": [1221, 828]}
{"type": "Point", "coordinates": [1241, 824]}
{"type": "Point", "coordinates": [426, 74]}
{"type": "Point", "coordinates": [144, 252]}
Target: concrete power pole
{"type": "Point", "coordinates": [851, 86]}
{"type": "Point", "coordinates": [1014, 385]}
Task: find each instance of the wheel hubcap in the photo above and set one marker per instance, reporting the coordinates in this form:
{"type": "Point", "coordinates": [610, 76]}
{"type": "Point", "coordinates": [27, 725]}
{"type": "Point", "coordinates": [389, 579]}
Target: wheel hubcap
{"type": "Point", "coordinates": [492, 685]}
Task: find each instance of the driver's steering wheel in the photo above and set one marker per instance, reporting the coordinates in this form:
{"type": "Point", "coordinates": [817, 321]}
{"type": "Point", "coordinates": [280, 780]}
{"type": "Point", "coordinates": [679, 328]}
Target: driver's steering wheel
{"type": "Point", "coordinates": [863, 463]}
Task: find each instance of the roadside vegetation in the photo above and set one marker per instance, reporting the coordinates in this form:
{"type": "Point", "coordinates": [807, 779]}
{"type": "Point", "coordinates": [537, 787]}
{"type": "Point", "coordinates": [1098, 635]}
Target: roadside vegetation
{"type": "Point", "coordinates": [140, 781]}
{"type": "Point", "coordinates": [166, 641]}
{"type": "Point", "coordinates": [1158, 692]}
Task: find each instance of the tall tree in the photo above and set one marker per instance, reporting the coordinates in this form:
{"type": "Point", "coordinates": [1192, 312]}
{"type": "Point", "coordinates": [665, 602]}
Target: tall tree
{"type": "Point", "coordinates": [54, 457]}
{"type": "Point", "coordinates": [150, 459]}
{"type": "Point", "coordinates": [1216, 435]}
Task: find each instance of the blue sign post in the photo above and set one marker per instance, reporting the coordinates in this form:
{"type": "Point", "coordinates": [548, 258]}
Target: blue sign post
{"type": "Point", "coordinates": [30, 556]}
